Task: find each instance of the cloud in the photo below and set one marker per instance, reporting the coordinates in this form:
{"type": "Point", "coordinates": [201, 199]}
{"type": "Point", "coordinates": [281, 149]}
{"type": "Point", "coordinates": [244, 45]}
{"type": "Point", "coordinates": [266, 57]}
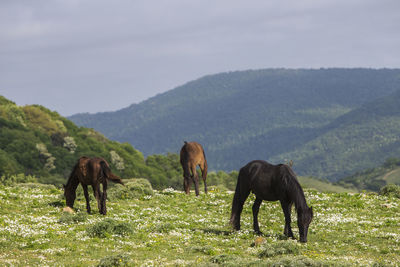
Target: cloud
{"type": "Point", "coordinates": [97, 55]}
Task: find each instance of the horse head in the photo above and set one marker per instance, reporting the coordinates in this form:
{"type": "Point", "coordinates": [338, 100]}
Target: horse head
{"type": "Point", "coordinates": [304, 219]}
{"type": "Point", "coordinates": [69, 195]}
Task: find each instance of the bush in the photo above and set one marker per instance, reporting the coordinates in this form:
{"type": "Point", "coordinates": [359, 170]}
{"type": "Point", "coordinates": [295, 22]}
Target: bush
{"type": "Point", "coordinates": [133, 189]}
{"type": "Point", "coordinates": [109, 227]}
{"type": "Point", "coordinates": [207, 250]}
{"type": "Point", "coordinates": [15, 179]}
{"type": "Point", "coordinates": [301, 261]}
{"type": "Point", "coordinates": [163, 227]}
{"type": "Point", "coordinates": [279, 248]}
{"type": "Point", "coordinates": [68, 218]}
{"type": "Point", "coordinates": [33, 185]}
{"type": "Point", "coordinates": [225, 259]}
{"type": "Point", "coordinates": [114, 260]}
{"type": "Point", "coordinates": [390, 190]}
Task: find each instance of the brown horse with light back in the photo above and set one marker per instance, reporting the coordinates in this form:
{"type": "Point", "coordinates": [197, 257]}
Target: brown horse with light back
{"type": "Point", "coordinates": [192, 154]}
{"type": "Point", "coordinates": [90, 171]}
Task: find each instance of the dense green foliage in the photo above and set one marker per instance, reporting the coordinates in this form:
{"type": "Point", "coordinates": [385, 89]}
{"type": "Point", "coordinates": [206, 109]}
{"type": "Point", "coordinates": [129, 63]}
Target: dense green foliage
{"type": "Point", "coordinates": [390, 190]}
{"type": "Point", "coordinates": [169, 228]}
{"type": "Point", "coordinates": [374, 178]}
{"type": "Point", "coordinates": [330, 122]}
{"type": "Point", "coordinates": [36, 141]}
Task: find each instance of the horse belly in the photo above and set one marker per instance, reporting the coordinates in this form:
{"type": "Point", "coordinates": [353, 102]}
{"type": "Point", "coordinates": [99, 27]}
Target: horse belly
{"type": "Point", "coordinates": [265, 193]}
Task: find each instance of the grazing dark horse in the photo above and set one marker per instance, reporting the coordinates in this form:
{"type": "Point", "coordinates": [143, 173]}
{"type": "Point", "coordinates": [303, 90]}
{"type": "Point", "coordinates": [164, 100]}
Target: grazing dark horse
{"type": "Point", "coordinates": [90, 171]}
{"type": "Point", "coordinates": [271, 182]}
{"type": "Point", "coordinates": [192, 154]}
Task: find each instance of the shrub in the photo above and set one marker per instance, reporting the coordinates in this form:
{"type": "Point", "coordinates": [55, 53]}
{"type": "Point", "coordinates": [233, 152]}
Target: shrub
{"type": "Point", "coordinates": [163, 227]}
{"type": "Point", "coordinates": [390, 190]}
{"type": "Point", "coordinates": [114, 260]}
{"type": "Point", "coordinates": [207, 250]}
{"type": "Point", "coordinates": [133, 189]}
{"type": "Point", "coordinates": [15, 179]}
{"type": "Point", "coordinates": [279, 248]}
{"type": "Point", "coordinates": [33, 185]}
{"type": "Point", "coordinates": [109, 227]}
{"type": "Point", "coordinates": [301, 261]}
{"type": "Point", "coordinates": [68, 218]}
{"type": "Point", "coordinates": [225, 259]}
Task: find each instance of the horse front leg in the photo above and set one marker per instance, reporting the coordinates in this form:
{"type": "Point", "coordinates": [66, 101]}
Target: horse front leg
{"type": "Point", "coordinates": [237, 206]}
{"type": "Point", "coordinates": [256, 208]}
{"type": "Point", "coordinates": [287, 210]}
{"type": "Point", "coordinates": [85, 191]}
{"type": "Point", "coordinates": [195, 178]}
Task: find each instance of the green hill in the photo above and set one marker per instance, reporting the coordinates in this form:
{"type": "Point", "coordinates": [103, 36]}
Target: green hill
{"type": "Point", "coordinates": [320, 119]}
{"type": "Point", "coordinates": [36, 141]}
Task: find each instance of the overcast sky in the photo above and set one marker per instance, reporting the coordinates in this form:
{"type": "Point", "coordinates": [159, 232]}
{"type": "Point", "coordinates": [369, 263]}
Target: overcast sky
{"type": "Point", "coordinates": [100, 55]}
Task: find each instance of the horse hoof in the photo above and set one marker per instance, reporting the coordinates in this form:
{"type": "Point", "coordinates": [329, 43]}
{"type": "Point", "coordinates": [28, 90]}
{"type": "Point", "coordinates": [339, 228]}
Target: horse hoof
{"type": "Point", "coordinates": [258, 232]}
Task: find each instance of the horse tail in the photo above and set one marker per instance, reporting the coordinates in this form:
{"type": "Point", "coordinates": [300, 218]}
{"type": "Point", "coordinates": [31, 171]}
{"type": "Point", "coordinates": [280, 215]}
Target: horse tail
{"type": "Point", "coordinates": [108, 174]}
{"type": "Point", "coordinates": [205, 169]}
{"type": "Point", "coordinates": [241, 193]}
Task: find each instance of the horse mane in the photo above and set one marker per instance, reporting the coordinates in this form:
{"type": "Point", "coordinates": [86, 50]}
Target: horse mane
{"type": "Point", "coordinates": [293, 186]}
{"type": "Point", "coordinates": [72, 177]}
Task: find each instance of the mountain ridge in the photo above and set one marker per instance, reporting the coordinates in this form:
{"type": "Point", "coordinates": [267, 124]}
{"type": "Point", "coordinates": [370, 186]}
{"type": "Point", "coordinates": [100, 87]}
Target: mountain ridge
{"type": "Point", "coordinates": [281, 108]}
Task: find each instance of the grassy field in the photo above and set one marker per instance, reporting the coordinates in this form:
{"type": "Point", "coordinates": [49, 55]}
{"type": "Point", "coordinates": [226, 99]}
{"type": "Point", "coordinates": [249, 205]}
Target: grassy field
{"type": "Point", "coordinates": [169, 228]}
{"type": "Point", "coordinates": [322, 186]}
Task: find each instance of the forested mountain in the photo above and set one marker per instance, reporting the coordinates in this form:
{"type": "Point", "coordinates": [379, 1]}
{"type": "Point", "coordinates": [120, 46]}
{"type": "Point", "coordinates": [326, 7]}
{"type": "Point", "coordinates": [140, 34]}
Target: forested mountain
{"type": "Point", "coordinates": [360, 139]}
{"type": "Point", "coordinates": [321, 119]}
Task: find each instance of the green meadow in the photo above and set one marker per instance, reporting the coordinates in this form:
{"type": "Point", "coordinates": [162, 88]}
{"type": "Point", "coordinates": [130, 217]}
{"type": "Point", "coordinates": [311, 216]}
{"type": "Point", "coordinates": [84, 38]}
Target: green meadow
{"type": "Point", "coordinates": [146, 227]}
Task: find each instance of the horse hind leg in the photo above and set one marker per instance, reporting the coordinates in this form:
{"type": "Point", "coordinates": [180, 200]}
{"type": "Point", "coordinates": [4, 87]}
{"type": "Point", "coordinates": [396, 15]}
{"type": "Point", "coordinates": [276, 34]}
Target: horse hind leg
{"type": "Point", "coordinates": [187, 182]}
{"type": "Point", "coordinates": [195, 178]}
{"type": "Point", "coordinates": [85, 191]}
{"type": "Point", "coordinates": [256, 208]}
{"type": "Point", "coordinates": [186, 178]}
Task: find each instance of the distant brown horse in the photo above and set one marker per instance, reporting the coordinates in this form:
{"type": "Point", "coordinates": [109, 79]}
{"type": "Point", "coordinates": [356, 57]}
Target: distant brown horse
{"type": "Point", "coordinates": [90, 171]}
{"type": "Point", "coordinates": [192, 154]}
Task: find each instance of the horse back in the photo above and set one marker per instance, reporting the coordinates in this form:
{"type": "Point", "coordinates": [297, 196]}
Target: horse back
{"type": "Point", "coordinates": [89, 170]}
{"type": "Point", "coordinates": [265, 180]}
{"type": "Point", "coordinates": [192, 152]}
